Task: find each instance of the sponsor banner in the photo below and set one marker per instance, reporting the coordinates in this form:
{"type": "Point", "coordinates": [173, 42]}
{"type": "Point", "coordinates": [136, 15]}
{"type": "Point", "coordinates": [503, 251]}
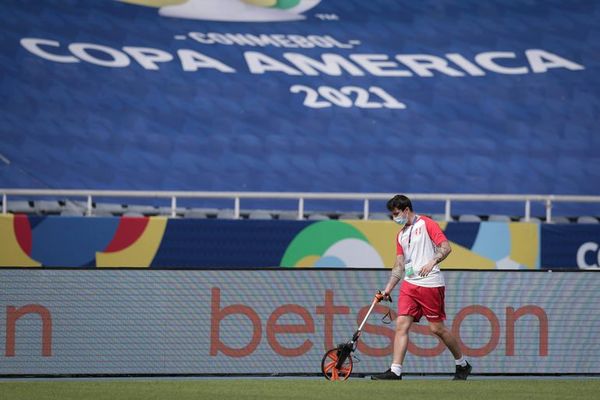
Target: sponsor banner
{"type": "Point", "coordinates": [573, 247]}
{"type": "Point", "coordinates": [158, 242]}
{"type": "Point", "coordinates": [231, 321]}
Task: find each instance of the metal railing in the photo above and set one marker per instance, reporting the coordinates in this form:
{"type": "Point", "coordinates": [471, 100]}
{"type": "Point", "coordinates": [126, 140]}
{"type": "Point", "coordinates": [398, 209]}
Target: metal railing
{"type": "Point", "coordinates": [300, 197]}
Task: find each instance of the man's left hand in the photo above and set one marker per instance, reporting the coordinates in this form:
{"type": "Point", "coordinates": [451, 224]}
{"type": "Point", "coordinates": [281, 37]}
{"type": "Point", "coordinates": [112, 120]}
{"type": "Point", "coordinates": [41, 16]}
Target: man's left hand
{"type": "Point", "coordinates": [426, 269]}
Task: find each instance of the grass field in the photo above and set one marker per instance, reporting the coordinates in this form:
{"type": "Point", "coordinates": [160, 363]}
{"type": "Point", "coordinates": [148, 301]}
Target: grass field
{"type": "Point", "coordinates": [305, 389]}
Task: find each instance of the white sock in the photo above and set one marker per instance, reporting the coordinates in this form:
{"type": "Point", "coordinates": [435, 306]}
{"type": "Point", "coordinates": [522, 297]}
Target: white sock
{"type": "Point", "coordinates": [461, 361]}
{"type": "Point", "coordinates": [397, 369]}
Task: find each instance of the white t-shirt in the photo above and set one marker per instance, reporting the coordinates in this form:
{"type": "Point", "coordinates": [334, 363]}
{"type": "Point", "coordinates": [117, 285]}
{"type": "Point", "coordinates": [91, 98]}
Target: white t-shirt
{"type": "Point", "coordinates": [418, 242]}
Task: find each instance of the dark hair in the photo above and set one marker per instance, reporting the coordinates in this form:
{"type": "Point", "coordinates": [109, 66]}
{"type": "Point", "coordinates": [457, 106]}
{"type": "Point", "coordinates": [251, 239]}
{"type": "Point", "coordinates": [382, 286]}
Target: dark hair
{"type": "Point", "coordinates": [400, 202]}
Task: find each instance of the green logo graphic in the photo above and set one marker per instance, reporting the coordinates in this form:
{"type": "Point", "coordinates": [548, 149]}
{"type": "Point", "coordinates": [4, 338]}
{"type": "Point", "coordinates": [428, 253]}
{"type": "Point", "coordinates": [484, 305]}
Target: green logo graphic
{"type": "Point", "coordinates": [331, 244]}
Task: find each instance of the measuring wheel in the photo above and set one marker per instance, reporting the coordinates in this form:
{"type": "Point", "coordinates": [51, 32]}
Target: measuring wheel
{"type": "Point", "coordinates": [336, 364]}
{"type": "Point", "coordinates": [329, 369]}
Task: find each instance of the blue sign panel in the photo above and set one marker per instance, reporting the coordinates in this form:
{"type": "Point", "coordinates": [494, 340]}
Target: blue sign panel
{"type": "Point", "coordinates": [565, 246]}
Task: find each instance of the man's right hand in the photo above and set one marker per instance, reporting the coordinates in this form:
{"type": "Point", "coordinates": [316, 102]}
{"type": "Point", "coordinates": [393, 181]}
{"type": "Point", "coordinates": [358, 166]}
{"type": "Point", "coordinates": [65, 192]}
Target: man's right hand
{"type": "Point", "coordinates": [381, 296]}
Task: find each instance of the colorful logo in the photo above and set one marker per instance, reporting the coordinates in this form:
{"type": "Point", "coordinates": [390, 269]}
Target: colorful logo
{"type": "Point", "coordinates": [231, 10]}
{"type": "Point", "coordinates": [342, 244]}
{"type": "Point", "coordinates": [492, 245]}
{"type": "Point", "coordinates": [79, 242]}
{"type": "Point", "coordinates": [486, 245]}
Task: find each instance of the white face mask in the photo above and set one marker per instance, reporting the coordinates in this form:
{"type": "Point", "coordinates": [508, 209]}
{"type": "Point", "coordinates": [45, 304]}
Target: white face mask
{"type": "Point", "coordinates": [401, 219]}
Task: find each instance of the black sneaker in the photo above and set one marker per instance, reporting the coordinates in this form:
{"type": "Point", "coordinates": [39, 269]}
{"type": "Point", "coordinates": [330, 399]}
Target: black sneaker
{"type": "Point", "coordinates": [387, 375]}
{"type": "Point", "coordinates": [462, 372]}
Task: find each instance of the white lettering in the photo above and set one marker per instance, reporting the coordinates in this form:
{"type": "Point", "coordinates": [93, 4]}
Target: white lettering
{"type": "Point", "coordinates": [486, 60]}
{"type": "Point", "coordinates": [259, 63]}
{"type": "Point", "coordinates": [381, 65]}
{"type": "Point", "coordinates": [335, 43]}
{"type": "Point", "coordinates": [116, 59]}
{"type": "Point", "coordinates": [542, 61]}
{"type": "Point", "coordinates": [582, 251]}
{"type": "Point", "coordinates": [421, 64]}
{"type": "Point", "coordinates": [239, 39]}
{"type": "Point", "coordinates": [282, 40]}
{"type": "Point", "coordinates": [200, 38]}
{"type": "Point", "coordinates": [262, 40]}
{"type": "Point", "coordinates": [321, 41]}
{"type": "Point", "coordinates": [220, 38]}
{"type": "Point", "coordinates": [377, 65]}
{"type": "Point", "coordinates": [332, 64]}
{"type": "Point", "coordinates": [301, 41]}
{"type": "Point", "coordinates": [192, 61]}
{"type": "Point", "coordinates": [465, 64]}
{"type": "Point", "coordinates": [33, 46]}
{"type": "Point", "coordinates": [148, 57]}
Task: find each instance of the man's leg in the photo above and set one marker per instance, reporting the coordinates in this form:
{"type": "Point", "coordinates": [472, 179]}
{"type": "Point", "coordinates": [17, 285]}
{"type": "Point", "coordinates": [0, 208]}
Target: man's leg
{"type": "Point", "coordinates": [440, 330]}
{"type": "Point", "coordinates": [403, 323]}
{"type": "Point", "coordinates": [463, 368]}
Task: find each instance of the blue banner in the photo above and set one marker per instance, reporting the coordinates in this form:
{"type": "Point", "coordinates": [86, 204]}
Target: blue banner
{"type": "Point", "coordinates": [572, 247]}
{"type": "Point", "coordinates": [160, 242]}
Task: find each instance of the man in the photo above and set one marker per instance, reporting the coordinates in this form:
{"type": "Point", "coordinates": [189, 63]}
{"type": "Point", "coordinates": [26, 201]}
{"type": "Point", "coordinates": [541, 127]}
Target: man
{"type": "Point", "coordinates": [421, 247]}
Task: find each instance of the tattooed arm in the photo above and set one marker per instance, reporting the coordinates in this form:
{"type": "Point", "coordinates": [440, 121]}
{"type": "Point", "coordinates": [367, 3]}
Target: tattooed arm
{"type": "Point", "coordinates": [440, 255]}
{"type": "Point", "coordinates": [396, 275]}
{"type": "Point", "coordinates": [442, 252]}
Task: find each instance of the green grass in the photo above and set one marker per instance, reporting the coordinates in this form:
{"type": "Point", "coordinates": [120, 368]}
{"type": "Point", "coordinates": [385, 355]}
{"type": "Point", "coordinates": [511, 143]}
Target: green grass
{"type": "Point", "coordinates": [305, 389]}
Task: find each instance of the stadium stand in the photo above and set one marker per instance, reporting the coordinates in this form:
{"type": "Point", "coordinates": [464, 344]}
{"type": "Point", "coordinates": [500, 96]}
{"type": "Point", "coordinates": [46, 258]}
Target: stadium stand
{"type": "Point", "coordinates": [20, 206]}
{"type": "Point", "coordinates": [108, 209]}
{"type": "Point", "coordinates": [499, 218]}
{"type": "Point", "coordinates": [379, 216]}
{"type": "Point", "coordinates": [44, 207]}
{"type": "Point", "coordinates": [287, 215]}
{"type": "Point", "coordinates": [439, 217]}
{"type": "Point", "coordinates": [560, 220]}
{"type": "Point", "coordinates": [260, 214]}
{"type": "Point", "coordinates": [193, 213]}
{"type": "Point", "coordinates": [586, 219]}
{"type": "Point", "coordinates": [141, 210]}
{"type": "Point", "coordinates": [72, 212]}
{"type": "Point", "coordinates": [317, 217]}
{"type": "Point", "coordinates": [469, 218]}
{"type": "Point", "coordinates": [239, 124]}
{"type": "Point", "coordinates": [532, 219]}
{"type": "Point", "coordinates": [226, 214]}
{"type": "Point", "coordinates": [105, 209]}
{"type": "Point", "coordinates": [350, 216]}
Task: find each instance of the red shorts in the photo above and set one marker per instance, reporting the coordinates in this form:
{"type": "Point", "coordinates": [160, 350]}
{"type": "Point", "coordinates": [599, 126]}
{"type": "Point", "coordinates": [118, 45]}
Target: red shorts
{"type": "Point", "coordinates": [418, 301]}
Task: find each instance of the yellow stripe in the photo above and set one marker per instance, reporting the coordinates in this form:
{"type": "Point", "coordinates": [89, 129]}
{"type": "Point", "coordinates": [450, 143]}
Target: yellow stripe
{"type": "Point", "coordinates": [11, 254]}
{"type": "Point", "coordinates": [524, 243]}
{"type": "Point", "coordinates": [382, 236]}
{"type": "Point", "coordinates": [141, 253]}
{"type": "Point", "coordinates": [462, 257]}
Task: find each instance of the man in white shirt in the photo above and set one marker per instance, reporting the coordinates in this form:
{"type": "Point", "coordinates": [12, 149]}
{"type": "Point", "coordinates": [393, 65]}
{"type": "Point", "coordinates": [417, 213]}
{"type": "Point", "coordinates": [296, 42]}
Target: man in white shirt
{"type": "Point", "coordinates": [421, 246]}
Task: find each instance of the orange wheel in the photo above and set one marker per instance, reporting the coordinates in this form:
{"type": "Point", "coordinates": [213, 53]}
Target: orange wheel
{"type": "Point", "coordinates": [332, 373]}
